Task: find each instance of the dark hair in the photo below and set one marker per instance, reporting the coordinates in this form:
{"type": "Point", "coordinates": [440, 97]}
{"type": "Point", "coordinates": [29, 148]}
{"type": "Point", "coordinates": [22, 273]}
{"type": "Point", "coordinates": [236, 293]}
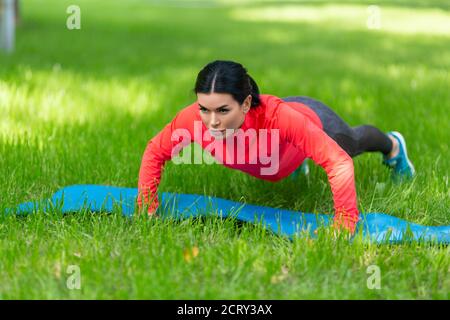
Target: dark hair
{"type": "Point", "coordinates": [227, 77]}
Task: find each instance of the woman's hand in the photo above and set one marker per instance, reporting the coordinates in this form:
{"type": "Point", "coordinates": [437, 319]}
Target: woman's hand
{"type": "Point", "coordinates": [145, 210]}
{"type": "Point", "coordinates": [344, 225]}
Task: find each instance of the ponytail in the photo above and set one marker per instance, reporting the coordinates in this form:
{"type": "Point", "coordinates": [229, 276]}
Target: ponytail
{"type": "Point", "coordinates": [254, 91]}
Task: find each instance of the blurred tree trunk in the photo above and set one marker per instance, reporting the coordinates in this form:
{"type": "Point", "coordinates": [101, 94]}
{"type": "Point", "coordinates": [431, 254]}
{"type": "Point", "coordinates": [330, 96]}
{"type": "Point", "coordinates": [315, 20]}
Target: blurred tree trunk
{"type": "Point", "coordinates": [9, 17]}
{"type": "Point", "coordinates": [17, 11]}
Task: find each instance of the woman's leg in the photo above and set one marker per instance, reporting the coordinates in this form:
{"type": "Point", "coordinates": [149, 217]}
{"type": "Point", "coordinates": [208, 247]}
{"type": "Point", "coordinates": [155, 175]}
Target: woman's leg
{"type": "Point", "coordinates": [354, 140]}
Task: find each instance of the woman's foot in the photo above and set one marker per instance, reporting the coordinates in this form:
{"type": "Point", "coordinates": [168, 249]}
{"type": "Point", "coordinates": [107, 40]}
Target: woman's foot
{"type": "Point", "coordinates": [395, 147]}
{"type": "Point", "coordinates": [398, 157]}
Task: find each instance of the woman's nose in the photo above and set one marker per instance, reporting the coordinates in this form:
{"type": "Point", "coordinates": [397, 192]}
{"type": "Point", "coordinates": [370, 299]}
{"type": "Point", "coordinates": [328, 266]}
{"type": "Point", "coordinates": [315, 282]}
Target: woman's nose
{"type": "Point", "coordinates": [214, 121]}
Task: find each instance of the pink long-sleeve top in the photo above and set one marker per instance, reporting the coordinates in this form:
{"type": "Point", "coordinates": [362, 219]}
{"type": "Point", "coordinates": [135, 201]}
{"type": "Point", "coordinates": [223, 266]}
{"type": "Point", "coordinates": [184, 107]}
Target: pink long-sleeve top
{"type": "Point", "coordinates": [274, 140]}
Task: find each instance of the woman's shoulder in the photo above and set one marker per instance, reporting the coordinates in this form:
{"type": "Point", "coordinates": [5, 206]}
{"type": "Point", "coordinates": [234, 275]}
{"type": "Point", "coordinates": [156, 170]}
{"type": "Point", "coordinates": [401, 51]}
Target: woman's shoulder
{"type": "Point", "coordinates": [186, 117]}
{"type": "Point", "coordinates": [269, 99]}
{"type": "Point", "coordinates": [269, 104]}
{"type": "Point", "coordinates": [189, 112]}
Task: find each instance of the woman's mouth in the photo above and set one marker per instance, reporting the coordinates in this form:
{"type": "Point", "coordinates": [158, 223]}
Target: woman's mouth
{"type": "Point", "coordinates": [220, 133]}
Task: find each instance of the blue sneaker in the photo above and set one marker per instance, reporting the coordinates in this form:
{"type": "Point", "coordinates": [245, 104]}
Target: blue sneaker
{"type": "Point", "coordinates": [303, 168]}
{"type": "Point", "coordinates": [403, 168]}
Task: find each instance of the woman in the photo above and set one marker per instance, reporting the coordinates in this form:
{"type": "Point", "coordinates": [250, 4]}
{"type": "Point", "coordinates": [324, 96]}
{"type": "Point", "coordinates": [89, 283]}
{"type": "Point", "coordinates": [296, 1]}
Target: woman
{"type": "Point", "coordinates": [231, 115]}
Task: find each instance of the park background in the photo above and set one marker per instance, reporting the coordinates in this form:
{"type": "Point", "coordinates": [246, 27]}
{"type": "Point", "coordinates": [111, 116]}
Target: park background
{"type": "Point", "coordinates": [79, 106]}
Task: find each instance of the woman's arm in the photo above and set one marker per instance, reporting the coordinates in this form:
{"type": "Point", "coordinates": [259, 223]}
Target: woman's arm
{"type": "Point", "coordinates": [152, 164]}
{"type": "Point", "coordinates": [158, 151]}
{"type": "Point", "coordinates": [323, 150]}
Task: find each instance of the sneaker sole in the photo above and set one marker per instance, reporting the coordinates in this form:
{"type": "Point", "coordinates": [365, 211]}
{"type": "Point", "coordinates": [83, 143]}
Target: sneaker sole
{"type": "Point", "coordinates": [398, 135]}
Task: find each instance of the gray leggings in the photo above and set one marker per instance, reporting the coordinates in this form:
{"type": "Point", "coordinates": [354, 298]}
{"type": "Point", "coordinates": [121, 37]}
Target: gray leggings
{"type": "Point", "coordinates": [354, 140]}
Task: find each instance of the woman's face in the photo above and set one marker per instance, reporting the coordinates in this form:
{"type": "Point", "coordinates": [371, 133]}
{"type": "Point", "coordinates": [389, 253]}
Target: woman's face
{"type": "Point", "coordinates": [219, 111]}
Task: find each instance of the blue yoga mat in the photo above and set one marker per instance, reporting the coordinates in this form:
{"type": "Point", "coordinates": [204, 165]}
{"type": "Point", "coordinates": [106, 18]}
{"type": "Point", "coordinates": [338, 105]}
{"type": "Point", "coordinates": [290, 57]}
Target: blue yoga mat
{"type": "Point", "coordinates": [376, 227]}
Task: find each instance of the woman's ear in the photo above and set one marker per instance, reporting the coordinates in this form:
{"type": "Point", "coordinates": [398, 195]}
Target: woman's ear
{"type": "Point", "coordinates": [247, 103]}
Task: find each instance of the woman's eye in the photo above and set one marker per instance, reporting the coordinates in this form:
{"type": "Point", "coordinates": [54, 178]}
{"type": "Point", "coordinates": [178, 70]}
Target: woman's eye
{"type": "Point", "coordinates": [224, 111]}
{"type": "Point", "coordinates": [203, 110]}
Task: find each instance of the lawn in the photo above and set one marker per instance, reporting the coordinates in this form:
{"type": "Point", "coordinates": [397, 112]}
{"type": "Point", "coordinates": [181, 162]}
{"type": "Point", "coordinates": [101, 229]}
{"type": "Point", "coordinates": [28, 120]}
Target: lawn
{"type": "Point", "coordinates": [79, 106]}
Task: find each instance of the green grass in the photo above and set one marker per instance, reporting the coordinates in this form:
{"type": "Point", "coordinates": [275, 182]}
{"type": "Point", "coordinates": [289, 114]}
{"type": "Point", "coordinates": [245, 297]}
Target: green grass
{"type": "Point", "coordinates": [78, 107]}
